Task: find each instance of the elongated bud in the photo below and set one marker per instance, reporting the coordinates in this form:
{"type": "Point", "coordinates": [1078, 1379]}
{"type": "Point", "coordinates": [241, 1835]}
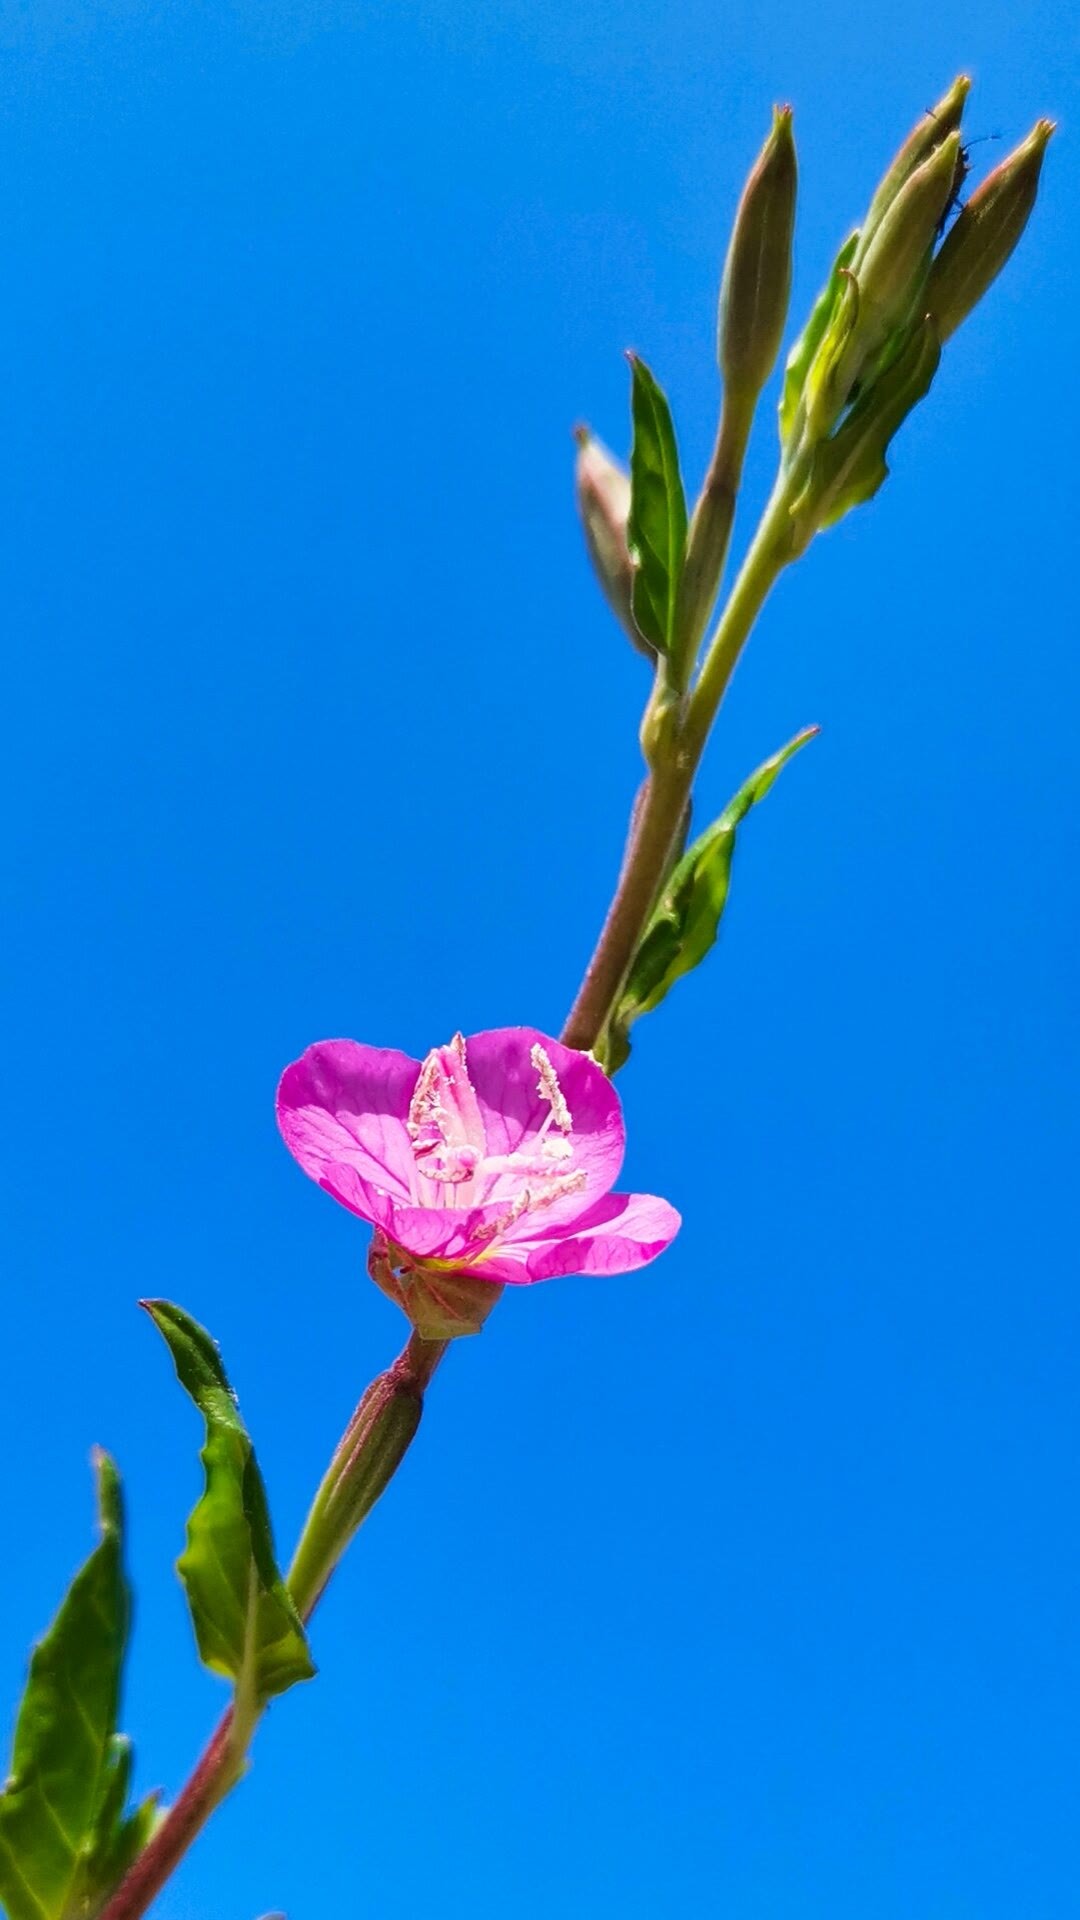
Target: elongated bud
{"type": "Point", "coordinates": [602, 487]}
{"type": "Point", "coordinates": [895, 263]}
{"type": "Point", "coordinates": [371, 1449]}
{"type": "Point", "coordinates": [927, 134]}
{"type": "Point", "coordinates": [984, 235]}
{"type": "Point", "coordinates": [756, 286]}
{"type": "Point", "coordinates": [883, 296]}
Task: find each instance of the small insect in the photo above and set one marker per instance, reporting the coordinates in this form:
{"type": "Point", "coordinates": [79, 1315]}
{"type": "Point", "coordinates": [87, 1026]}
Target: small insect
{"type": "Point", "coordinates": [960, 174]}
{"type": "Point", "coordinates": [963, 168]}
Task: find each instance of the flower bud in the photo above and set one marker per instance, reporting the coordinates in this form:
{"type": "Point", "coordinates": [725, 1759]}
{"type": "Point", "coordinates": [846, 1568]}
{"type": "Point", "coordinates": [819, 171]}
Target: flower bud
{"type": "Point", "coordinates": [603, 500]}
{"type": "Point", "coordinates": [756, 285]}
{"type": "Point", "coordinates": [929, 132]}
{"type": "Point", "coordinates": [882, 297]}
{"type": "Point", "coordinates": [985, 233]}
{"type": "Point", "coordinates": [896, 261]}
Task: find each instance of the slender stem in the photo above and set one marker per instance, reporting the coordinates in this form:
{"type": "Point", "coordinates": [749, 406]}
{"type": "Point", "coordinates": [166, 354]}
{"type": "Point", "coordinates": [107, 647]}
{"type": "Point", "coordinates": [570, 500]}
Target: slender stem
{"type": "Point", "coordinates": [771, 549]}
{"type": "Point", "coordinates": [216, 1772]}
{"type": "Point", "coordinates": [222, 1762]}
{"type": "Point", "coordinates": [651, 838]}
{"type": "Point", "coordinates": [659, 813]}
{"type": "Point", "coordinates": [710, 532]}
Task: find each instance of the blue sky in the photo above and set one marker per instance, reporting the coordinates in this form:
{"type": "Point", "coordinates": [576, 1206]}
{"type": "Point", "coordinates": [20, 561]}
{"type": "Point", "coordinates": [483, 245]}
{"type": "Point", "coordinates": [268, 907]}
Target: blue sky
{"type": "Point", "coordinates": [748, 1585]}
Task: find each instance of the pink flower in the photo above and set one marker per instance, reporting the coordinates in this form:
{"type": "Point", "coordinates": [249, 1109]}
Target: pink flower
{"type": "Point", "coordinates": [492, 1159]}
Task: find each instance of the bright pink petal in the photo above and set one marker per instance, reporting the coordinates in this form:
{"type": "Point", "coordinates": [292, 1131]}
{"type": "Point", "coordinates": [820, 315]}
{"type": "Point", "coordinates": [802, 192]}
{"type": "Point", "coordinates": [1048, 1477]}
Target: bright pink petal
{"type": "Point", "coordinates": [625, 1231]}
{"type": "Point", "coordinates": [442, 1233]}
{"type": "Point", "coordinates": [342, 1109]}
{"type": "Point", "coordinates": [351, 1190]}
{"type": "Point", "coordinates": [505, 1078]}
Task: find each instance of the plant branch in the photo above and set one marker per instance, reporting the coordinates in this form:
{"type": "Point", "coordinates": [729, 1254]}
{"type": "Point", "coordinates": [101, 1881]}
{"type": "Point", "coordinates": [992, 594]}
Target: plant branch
{"type": "Point", "coordinates": [710, 533]}
{"type": "Point", "coordinates": [382, 1427]}
{"type": "Point", "coordinates": [368, 1454]}
{"type": "Point", "coordinates": [658, 813]}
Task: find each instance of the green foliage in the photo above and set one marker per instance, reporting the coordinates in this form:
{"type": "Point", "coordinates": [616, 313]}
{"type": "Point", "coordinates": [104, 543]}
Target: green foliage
{"type": "Point", "coordinates": [65, 1839]}
{"type": "Point", "coordinates": [118, 1837]}
{"type": "Point", "coordinates": [802, 354]}
{"type": "Point", "coordinates": [850, 466]}
{"type": "Point", "coordinates": [656, 529]}
{"type": "Point", "coordinates": [686, 919]}
{"type": "Point", "coordinates": [246, 1626]}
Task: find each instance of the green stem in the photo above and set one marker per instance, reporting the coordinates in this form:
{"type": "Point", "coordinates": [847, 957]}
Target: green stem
{"type": "Point", "coordinates": [658, 816]}
{"type": "Point", "coordinates": [772, 547]}
{"type": "Point", "coordinates": [659, 811]}
{"type": "Point", "coordinates": [710, 534]}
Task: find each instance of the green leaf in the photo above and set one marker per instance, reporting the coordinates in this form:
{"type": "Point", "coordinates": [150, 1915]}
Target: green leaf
{"type": "Point", "coordinates": [61, 1810]}
{"type": "Point", "coordinates": [802, 353]}
{"type": "Point", "coordinates": [686, 919]}
{"type": "Point", "coordinates": [850, 466]}
{"type": "Point", "coordinates": [656, 528]}
{"type": "Point", "coordinates": [117, 1837]}
{"type": "Point", "coordinates": [245, 1623]}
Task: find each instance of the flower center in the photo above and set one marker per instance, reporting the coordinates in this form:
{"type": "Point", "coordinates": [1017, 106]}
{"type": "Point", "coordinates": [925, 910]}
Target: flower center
{"type": "Point", "coordinates": [450, 1147]}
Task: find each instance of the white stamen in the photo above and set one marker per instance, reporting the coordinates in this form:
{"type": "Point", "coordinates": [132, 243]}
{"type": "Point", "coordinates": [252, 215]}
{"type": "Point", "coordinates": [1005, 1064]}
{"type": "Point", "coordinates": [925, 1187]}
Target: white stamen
{"type": "Point", "coordinates": [529, 1201]}
{"type": "Point", "coordinates": [425, 1108]}
{"type": "Point", "coordinates": [562, 1183]}
{"type": "Point", "coordinates": [557, 1147]}
{"type": "Point", "coordinates": [549, 1089]}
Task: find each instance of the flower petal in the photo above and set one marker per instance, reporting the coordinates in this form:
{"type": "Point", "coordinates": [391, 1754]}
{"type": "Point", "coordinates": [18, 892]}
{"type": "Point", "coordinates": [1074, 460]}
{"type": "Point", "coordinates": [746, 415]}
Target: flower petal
{"type": "Point", "coordinates": [505, 1078]}
{"type": "Point", "coordinates": [342, 1109]}
{"type": "Point", "coordinates": [461, 1234]}
{"type": "Point", "coordinates": [625, 1231]}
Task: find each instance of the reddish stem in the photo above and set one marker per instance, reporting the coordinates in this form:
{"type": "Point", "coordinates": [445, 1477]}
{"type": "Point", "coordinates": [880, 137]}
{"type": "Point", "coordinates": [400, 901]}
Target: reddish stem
{"type": "Point", "coordinates": [219, 1765]}
{"type": "Point", "coordinates": [653, 829]}
{"type": "Point", "coordinates": [189, 1814]}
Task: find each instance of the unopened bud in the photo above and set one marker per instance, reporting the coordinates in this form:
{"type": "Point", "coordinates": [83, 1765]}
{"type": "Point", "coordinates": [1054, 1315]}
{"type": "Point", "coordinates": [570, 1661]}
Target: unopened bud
{"type": "Point", "coordinates": [928, 133]}
{"type": "Point", "coordinates": [603, 499]}
{"type": "Point", "coordinates": [887, 290]}
{"type": "Point", "coordinates": [895, 263]}
{"type": "Point", "coordinates": [984, 235]}
{"type": "Point", "coordinates": [756, 285]}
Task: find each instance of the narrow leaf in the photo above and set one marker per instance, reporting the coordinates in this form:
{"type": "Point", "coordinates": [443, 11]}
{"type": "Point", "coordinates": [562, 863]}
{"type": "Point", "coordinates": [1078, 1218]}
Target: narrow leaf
{"type": "Point", "coordinates": [246, 1626]}
{"type": "Point", "coordinates": [656, 529]}
{"type": "Point", "coordinates": [802, 353]}
{"type": "Point", "coordinates": [68, 1780]}
{"type": "Point", "coordinates": [686, 919]}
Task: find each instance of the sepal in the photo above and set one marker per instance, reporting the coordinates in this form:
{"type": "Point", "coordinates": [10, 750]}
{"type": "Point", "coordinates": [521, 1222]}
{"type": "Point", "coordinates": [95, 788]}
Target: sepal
{"type": "Point", "coordinates": [849, 467]}
{"type": "Point", "coordinates": [440, 1303]}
